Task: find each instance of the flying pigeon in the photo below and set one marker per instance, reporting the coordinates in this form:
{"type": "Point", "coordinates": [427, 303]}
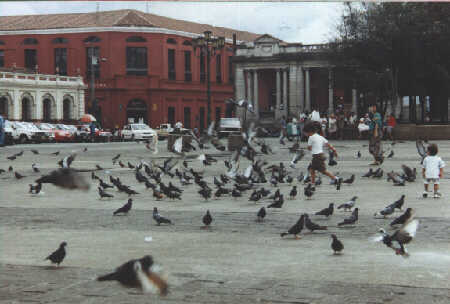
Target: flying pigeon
{"type": "Point", "coordinates": [402, 236]}
{"type": "Point", "coordinates": [405, 217]}
{"type": "Point", "coordinates": [65, 178]}
{"type": "Point", "coordinates": [140, 274]}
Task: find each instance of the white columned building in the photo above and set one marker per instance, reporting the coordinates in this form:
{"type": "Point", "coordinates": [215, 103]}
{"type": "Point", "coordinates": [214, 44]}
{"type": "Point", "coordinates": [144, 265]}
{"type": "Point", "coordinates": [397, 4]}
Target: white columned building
{"type": "Point", "coordinates": [40, 97]}
{"type": "Point", "coordinates": [285, 79]}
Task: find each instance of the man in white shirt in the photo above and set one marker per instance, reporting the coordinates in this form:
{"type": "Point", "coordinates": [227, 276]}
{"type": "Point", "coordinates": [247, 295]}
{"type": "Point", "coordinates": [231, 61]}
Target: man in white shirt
{"type": "Point", "coordinates": [433, 169]}
{"type": "Point", "coordinates": [316, 143]}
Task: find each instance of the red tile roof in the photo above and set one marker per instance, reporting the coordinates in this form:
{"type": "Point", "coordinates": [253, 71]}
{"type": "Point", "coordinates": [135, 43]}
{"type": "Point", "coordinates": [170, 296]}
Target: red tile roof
{"type": "Point", "coordinates": [112, 19]}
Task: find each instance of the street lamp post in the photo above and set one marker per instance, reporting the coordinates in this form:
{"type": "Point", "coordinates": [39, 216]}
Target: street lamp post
{"type": "Point", "coordinates": [209, 44]}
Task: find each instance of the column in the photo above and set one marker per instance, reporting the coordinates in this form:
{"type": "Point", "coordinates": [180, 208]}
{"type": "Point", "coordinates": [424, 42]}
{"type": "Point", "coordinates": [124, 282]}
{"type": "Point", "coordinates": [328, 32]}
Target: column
{"type": "Point", "coordinates": [59, 104]}
{"type": "Point", "coordinates": [255, 93]}
{"type": "Point", "coordinates": [300, 89]}
{"type": "Point", "coordinates": [39, 111]}
{"type": "Point", "coordinates": [330, 91]}
{"type": "Point", "coordinates": [285, 97]}
{"type": "Point", "coordinates": [239, 94]}
{"type": "Point", "coordinates": [354, 102]}
{"type": "Point", "coordinates": [277, 107]}
{"type": "Point", "coordinates": [249, 96]}
{"type": "Point", "coordinates": [17, 115]}
{"type": "Point", "coordinates": [292, 91]}
{"type": "Point", "coordinates": [307, 91]}
{"type": "Point", "coordinates": [80, 103]}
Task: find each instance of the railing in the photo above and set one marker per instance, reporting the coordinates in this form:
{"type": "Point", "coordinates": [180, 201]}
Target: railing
{"type": "Point", "coordinates": [40, 77]}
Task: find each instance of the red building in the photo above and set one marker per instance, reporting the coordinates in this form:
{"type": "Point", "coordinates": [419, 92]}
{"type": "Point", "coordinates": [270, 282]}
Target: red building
{"type": "Point", "coordinates": [147, 69]}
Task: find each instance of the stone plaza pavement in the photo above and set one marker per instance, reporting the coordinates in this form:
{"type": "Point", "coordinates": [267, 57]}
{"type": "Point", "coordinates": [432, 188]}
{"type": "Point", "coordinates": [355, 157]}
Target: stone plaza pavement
{"type": "Point", "coordinates": [238, 260]}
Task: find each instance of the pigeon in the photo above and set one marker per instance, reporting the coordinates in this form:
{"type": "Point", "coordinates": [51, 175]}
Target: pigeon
{"type": "Point", "coordinates": [409, 173]}
{"type": "Point", "coordinates": [350, 220]}
{"type": "Point", "coordinates": [261, 214]}
{"type": "Point", "coordinates": [278, 202]}
{"type": "Point", "coordinates": [348, 205]}
{"type": "Point", "coordinates": [121, 164]}
{"type": "Point", "coordinates": [368, 174]}
{"type": "Point", "coordinates": [125, 208]}
{"type": "Point", "coordinates": [104, 185]}
{"type": "Point", "coordinates": [326, 211]}
{"type": "Point", "coordinates": [401, 236]}
{"type": "Point", "coordinates": [35, 168]}
{"type": "Point", "coordinates": [103, 193]}
{"type": "Point", "coordinates": [159, 219]}
{"type": "Point", "coordinates": [349, 180]}
{"type": "Point", "coordinates": [12, 157]}
{"type": "Point", "coordinates": [18, 175]}
{"type": "Point", "coordinates": [235, 193]}
{"type": "Point", "coordinates": [207, 219]}
{"type": "Point", "coordinates": [58, 255]}
{"type": "Point", "coordinates": [358, 155]}
{"type": "Point", "coordinates": [421, 150]}
{"type": "Point", "coordinates": [309, 191]}
{"type": "Point", "coordinates": [10, 169]}
{"type": "Point", "coordinates": [130, 166]}
{"type": "Point", "coordinates": [67, 161]}
{"type": "Point", "coordinates": [391, 154]}
{"type": "Point", "coordinates": [55, 153]}
{"type": "Point", "coordinates": [2, 171]}
{"type": "Point", "coordinates": [35, 189]}
{"type": "Point", "coordinates": [98, 167]}
{"type": "Point", "coordinates": [385, 212]}
{"type": "Point", "coordinates": [65, 178]}
{"type": "Point", "coordinates": [85, 149]}
{"type": "Point", "coordinates": [399, 203]}
{"type": "Point", "coordinates": [312, 226]}
{"type": "Point", "coordinates": [35, 151]}
{"type": "Point", "coordinates": [138, 273]}
{"type": "Point", "coordinates": [296, 229]}
{"type": "Point", "coordinates": [336, 245]}
{"type": "Point", "coordinates": [293, 193]}
{"type": "Point", "coordinates": [115, 158]}
{"type": "Point", "coordinates": [405, 217]}
{"type": "Point", "coordinates": [378, 173]}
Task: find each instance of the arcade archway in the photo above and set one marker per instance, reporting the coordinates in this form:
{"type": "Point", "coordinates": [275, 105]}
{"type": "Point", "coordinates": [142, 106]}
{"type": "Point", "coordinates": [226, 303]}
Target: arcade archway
{"type": "Point", "coordinates": [137, 111]}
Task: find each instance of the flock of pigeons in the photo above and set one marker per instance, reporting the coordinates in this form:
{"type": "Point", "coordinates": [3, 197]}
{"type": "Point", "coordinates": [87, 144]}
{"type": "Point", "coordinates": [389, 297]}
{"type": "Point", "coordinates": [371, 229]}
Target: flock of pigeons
{"type": "Point", "coordinates": [233, 182]}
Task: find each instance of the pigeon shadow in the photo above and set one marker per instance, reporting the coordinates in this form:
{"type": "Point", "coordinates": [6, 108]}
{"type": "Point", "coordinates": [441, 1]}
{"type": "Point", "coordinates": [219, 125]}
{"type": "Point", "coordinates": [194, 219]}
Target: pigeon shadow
{"type": "Point", "coordinates": [52, 267]}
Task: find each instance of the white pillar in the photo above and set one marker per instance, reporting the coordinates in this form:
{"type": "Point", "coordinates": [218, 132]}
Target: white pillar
{"type": "Point", "coordinates": [80, 104]}
{"type": "Point", "coordinates": [39, 111]}
{"type": "Point", "coordinates": [292, 90]}
{"type": "Point", "coordinates": [354, 102]}
{"type": "Point", "coordinates": [239, 94]}
{"type": "Point", "coordinates": [17, 115]}
{"type": "Point", "coordinates": [330, 91]}
{"type": "Point", "coordinates": [300, 89]}
{"type": "Point", "coordinates": [307, 91]}
{"type": "Point", "coordinates": [285, 97]}
{"type": "Point", "coordinates": [249, 95]}
{"type": "Point", "coordinates": [255, 93]}
{"type": "Point", "coordinates": [59, 105]}
{"type": "Point", "coordinates": [277, 107]}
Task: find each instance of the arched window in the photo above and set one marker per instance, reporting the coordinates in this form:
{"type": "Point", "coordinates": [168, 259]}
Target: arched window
{"type": "Point", "coordinates": [171, 41]}
{"type": "Point", "coordinates": [187, 42]}
{"type": "Point", "coordinates": [29, 41]}
{"type": "Point", "coordinates": [136, 39]}
{"type": "Point", "coordinates": [92, 39]}
{"type": "Point", "coordinates": [60, 40]}
{"type": "Point", "coordinates": [2, 43]}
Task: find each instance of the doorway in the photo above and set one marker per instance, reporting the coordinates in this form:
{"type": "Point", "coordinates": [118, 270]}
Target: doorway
{"type": "Point", "coordinates": [137, 111]}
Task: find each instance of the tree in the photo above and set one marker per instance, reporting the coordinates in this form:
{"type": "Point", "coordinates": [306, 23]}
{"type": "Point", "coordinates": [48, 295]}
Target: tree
{"type": "Point", "coordinates": [403, 47]}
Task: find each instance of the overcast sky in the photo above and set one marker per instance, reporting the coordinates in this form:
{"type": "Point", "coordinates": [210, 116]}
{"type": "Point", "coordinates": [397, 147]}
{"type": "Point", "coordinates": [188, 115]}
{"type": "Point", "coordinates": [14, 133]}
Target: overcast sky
{"type": "Point", "coordinates": [305, 22]}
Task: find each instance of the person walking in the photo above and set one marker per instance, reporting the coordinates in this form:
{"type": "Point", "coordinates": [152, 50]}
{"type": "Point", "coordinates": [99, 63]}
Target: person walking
{"type": "Point", "coordinates": [316, 143]}
{"type": "Point", "coordinates": [332, 127]}
{"type": "Point", "coordinates": [375, 130]}
{"type": "Point", "coordinates": [391, 123]}
{"type": "Point", "coordinates": [2, 131]}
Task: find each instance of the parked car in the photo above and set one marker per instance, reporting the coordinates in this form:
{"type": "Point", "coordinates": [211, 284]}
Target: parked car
{"type": "Point", "coordinates": [63, 133]}
{"type": "Point", "coordinates": [229, 126]}
{"type": "Point", "coordinates": [164, 130]}
{"type": "Point", "coordinates": [82, 134]}
{"type": "Point", "coordinates": [49, 129]}
{"type": "Point", "coordinates": [11, 134]}
{"type": "Point", "coordinates": [137, 132]}
{"type": "Point", "coordinates": [28, 132]}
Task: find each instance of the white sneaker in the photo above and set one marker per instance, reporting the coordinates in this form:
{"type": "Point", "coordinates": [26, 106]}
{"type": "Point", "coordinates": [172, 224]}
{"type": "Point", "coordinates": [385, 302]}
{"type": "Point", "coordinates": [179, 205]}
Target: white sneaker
{"type": "Point", "coordinates": [437, 195]}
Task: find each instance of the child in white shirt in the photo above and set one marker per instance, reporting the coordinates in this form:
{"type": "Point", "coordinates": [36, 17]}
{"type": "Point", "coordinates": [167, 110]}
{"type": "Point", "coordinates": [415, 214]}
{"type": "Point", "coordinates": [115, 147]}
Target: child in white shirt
{"type": "Point", "coordinates": [315, 145]}
{"type": "Point", "coordinates": [433, 169]}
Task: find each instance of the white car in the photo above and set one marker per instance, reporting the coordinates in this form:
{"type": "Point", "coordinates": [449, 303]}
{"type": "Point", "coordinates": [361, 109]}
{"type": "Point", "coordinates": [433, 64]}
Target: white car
{"type": "Point", "coordinates": [29, 132]}
{"type": "Point", "coordinates": [11, 131]}
{"type": "Point", "coordinates": [137, 131]}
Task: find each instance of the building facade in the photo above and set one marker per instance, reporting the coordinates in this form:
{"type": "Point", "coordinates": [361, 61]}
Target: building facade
{"type": "Point", "coordinates": [138, 67]}
{"type": "Point", "coordinates": [285, 79]}
{"type": "Point", "coordinates": [39, 97]}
